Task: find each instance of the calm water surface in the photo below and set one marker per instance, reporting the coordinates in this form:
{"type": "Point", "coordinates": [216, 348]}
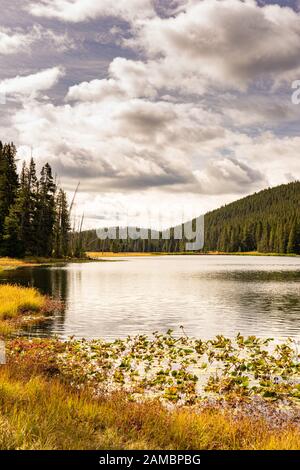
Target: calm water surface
{"type": "Point", "coordinates": [208, 295]}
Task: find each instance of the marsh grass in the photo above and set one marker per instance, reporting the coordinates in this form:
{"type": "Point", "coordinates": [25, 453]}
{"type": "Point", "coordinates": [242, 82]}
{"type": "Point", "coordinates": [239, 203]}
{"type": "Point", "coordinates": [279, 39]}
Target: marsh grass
{"type": "Point", "coordinates": [11, 263]}
{"type": "Point", "coordinates": [6, 328]}
{"type": "Point", "coordinates": [30, 262]}
{"type": "Point", "coordinates": [16, 300]}
{"type": "Point", "coordinates": [36, 413]}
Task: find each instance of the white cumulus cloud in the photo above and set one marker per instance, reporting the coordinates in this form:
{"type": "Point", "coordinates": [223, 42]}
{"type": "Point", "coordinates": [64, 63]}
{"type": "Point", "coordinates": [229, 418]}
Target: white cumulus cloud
{"type": "Point", "coordinates": [30, 85]}
{"type": "Point", "coordinates": [82, 10]}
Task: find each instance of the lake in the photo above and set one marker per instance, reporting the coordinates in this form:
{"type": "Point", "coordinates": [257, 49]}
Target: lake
{"type": "Point", "coordinates": [207, 295]}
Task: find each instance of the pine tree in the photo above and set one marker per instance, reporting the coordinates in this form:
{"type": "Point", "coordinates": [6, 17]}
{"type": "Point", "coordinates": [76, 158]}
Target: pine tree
{"type": "Point", "coordinates": [30, 228]}
{"type": "Point", "coordinates": [46, 212]}
{"type": "Point", "coordinates": [62, 226]}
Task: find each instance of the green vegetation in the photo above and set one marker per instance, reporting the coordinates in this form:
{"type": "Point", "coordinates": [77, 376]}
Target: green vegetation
{"type": "Point", "coordinates": [34, 214]}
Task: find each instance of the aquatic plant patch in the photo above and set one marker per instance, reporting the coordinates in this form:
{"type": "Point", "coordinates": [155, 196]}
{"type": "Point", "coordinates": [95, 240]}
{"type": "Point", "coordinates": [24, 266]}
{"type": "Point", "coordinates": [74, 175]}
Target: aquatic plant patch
{"type": "Point", "coordinates": [181, 371]}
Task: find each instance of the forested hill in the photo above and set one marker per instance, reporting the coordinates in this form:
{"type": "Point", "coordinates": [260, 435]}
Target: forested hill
{"type": "Point", "coordinates": [268, 222]}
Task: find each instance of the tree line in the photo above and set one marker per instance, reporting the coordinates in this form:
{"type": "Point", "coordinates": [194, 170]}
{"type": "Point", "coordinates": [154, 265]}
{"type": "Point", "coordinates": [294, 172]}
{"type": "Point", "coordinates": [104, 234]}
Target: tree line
{"type": "Point", "coordinates": [267, 222]}
{"type": "Point", "coordinates": [34, 212]}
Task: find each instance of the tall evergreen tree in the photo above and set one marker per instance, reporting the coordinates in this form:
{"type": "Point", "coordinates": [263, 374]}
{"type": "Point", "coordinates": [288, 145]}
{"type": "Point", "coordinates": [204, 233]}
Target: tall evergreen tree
{"type": "Point", "coordinates": [62, 226]}
{"type": "Point", "coordinates": [46, 212]}
{"type": "Point", "coordinates": [30, 228]}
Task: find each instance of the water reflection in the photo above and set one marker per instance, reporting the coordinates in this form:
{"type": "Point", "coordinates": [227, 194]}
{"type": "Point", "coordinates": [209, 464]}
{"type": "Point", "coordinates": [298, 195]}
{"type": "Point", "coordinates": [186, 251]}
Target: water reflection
{"type": "Point", "coordinates": [209, 295]}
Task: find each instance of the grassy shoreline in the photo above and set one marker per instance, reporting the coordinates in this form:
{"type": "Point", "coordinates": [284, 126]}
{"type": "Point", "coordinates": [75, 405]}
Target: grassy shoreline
{"type": "Point", "coordinates": [13, 263]}
{"type": "Point", "coordinates": [23, 306]}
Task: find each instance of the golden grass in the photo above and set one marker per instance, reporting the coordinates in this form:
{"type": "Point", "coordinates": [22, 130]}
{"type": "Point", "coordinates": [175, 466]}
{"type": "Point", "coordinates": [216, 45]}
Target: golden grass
{"type": "Point", "coordinates": [15, 300]}
{"type": "Point", "coordinates": [6, 328]}
{"type": "Point", "coordinates": [248, 253]}
{"type": "Point", "coordinates": [104, 254]}
{"type": "Point", "coordinates": [36, 413]}
{"type": "Point", "coordinates": [11, 263]}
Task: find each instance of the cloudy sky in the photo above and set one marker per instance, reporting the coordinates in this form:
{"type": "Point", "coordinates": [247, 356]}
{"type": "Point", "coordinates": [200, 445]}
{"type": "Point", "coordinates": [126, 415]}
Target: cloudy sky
{"type": "Point", "coordinates": [162, 108]}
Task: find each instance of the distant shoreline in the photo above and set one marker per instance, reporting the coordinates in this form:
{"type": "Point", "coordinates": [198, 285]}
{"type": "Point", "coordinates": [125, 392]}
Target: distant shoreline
{"type": "Point", "coordinates": [108, 254]}
{"type": "Point", "coordinates": [7, 264]}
